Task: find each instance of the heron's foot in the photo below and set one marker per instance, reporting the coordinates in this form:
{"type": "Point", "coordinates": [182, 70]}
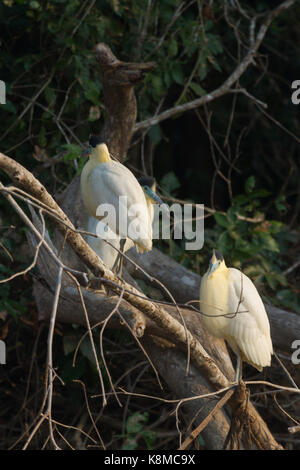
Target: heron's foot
{"type": "Point", "coordinates": [236, 381]}
{"type": "Point", "coordinates": [238, 371]}
{"type": "Point", "coordinates": [118, 265]}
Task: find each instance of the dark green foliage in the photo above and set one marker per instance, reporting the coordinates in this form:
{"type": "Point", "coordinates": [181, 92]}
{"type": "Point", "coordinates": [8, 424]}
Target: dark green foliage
{"type": "Point", "coordinates": [135, 430]}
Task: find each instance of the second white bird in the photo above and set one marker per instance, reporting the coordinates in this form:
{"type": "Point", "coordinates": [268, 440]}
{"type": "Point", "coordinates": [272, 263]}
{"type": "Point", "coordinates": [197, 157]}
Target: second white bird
{"type": "Point", "coordinates": [233, 310]}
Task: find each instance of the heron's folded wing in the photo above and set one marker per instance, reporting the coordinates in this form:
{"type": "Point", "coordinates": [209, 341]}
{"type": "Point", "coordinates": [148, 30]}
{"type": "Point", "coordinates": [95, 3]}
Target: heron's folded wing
{"type": "Point", "coordinates": [112, 183]}
{"type": "Point", "coordinates": [249, 326]}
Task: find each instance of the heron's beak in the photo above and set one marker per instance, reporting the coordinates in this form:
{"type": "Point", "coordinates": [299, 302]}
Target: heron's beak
{"type": "Point", "coordinates": [154, 198]}
{"type": "Point", "coordinates": [213, 259]}
{"type": "Point", "coordinates": [213, 263]}
{"type": "Point", "coordinates": [87, 152]}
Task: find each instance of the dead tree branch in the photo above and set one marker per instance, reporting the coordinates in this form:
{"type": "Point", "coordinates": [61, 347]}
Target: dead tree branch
{"type": "Point", "coordinates": [160, 316]}
{"type": "Point", "coordinates": [119, 79]}
{"type": "Point", "coordinates": [225, 88]}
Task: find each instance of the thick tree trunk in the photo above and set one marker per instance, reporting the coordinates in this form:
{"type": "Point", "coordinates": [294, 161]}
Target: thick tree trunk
{"type": "Point", "coordinates": [118, 79]}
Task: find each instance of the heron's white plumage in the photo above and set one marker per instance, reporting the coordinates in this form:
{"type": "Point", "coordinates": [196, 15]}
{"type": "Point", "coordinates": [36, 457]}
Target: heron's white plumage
{"type": "Point", "coordinates": [104, 250]}
{"type": "Point", "coordinates": [247, 330]}
{"type": "Point", "coordinates": [104, 181]}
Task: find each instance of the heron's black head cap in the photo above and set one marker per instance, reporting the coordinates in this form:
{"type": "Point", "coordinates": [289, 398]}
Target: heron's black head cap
{"type": "Point", "coordinates": [217, 254]}
{"type": "Point", "coordinates": [96, 140]}
{"type": "Point", "coordinates": [146, 181]}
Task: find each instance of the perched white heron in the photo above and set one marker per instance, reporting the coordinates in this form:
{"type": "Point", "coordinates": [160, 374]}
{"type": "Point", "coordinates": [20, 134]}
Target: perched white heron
{"type": "Point", "coordinates": [233, 310]}
{"type": "Point", "coordinates": [113, 195]}
{"type": "Point", "coordinates": [106, 245]}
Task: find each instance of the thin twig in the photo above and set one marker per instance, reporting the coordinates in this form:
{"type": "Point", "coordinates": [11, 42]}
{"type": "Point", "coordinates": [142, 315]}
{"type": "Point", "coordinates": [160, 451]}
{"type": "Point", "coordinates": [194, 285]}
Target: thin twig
{"type": "Point", "coordinates": [50, 356]}
{"type": "Point", "coordinates": [143, 349]}
{"type": "Point", "coordinates": [26, 270]}
{"type": "Point", "coordinates": [89, 412]}
{"type": "Point", "coordinates": [115, 309]}
{"type": "Point", "coordinates": [194, 434]}
{"type": "Point", "coordinates": [285, 370]}
{"type": "Point", "coordinates": [91, 338]}
{"type": "Point", "coordinates": [225, 88]}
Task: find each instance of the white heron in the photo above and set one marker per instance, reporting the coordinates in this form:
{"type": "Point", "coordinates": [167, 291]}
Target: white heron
{"type": "Point", "coordinates": [233, 310]}
{"type": "Point", "coordinates": [107, 244]}
{"type": "Point", "coordinates": [113, 195]}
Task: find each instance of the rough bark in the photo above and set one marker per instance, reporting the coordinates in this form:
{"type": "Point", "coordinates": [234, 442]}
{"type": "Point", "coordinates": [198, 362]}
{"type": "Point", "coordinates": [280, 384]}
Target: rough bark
{"type": "Point", "coordinates": [119, 79]}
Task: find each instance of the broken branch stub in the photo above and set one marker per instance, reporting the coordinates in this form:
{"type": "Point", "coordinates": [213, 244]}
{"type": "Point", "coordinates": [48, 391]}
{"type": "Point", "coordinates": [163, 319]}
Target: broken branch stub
{"type": "Point", "coordinates": [118, 79]}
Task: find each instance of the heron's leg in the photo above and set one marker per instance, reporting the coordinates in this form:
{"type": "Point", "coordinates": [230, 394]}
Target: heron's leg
{"type": "Point", "coordinates": [122, 246]}
{"type": "Point", "coordinates": [238, 371]}
{"type": "Point", "coordinates": [118, 264]}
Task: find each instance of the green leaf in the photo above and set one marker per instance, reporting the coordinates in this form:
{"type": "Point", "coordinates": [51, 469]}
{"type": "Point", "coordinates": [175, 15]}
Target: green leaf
{"type": "Point", "coordinates": [257, 193]}
{"type": "Point", "coordinates": [224, 243]}
{"type": "Point", "coordinates": [81, 162]}
{"type": "Point", "coordinates": [231, 215]}
{"type": "Point", "coordinates": [135, 422]}
{"type": "Point", "coordinates": [240, 200]}
{"type": "Point", "coordinates": [42, 137]}
{"type": "Point", "coordinates": [50, 96]}
{"type": "Point", "coordinates": [72, 151]}
{"type": "Point", "coordinates": [177, 74]}
{"type": "Point", "coordinates": [271, 280]}
{"type": "Point", "coordinates": [149, 438]}
{"type": "Point", "coordinates": [92, 91]}
{"type": "Point", "coordinates": [8, 107]}
{"type": "Point", "coordinates": [208, 25]}
{"type": "Point", "coordinates": [213, 44]}
{"type": "Point", "coordinates": [221, 219]}
{"type": "Point", "coordinates": [157, 84]}
{"type": "Point", "coordinates": [172, 47]}
{"type": "Point", "coordinates": [250, 184]}
{"type": "Point", "coordinates": [216, 65]}
{"type": "Point", "coordinates": [197, 89]}
{"type": "Point", "coordinates": [269, 243]}
{"type": "Point", "coordinates": [280, 204]}
{"type": "Point", "coordinates": [167, 78]}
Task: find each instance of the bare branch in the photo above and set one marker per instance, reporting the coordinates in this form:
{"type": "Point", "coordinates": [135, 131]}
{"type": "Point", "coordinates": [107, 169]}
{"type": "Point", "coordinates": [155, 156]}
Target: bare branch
{"type": "Point", "coordinates": [225, 88]}
{"type": "Point", "coordinates": [194, 434]}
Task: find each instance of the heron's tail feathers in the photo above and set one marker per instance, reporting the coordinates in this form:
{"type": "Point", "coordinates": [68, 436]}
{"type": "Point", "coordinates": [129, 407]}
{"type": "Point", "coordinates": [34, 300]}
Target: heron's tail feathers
{"type": "Point", "coordinates": [144, 245]}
